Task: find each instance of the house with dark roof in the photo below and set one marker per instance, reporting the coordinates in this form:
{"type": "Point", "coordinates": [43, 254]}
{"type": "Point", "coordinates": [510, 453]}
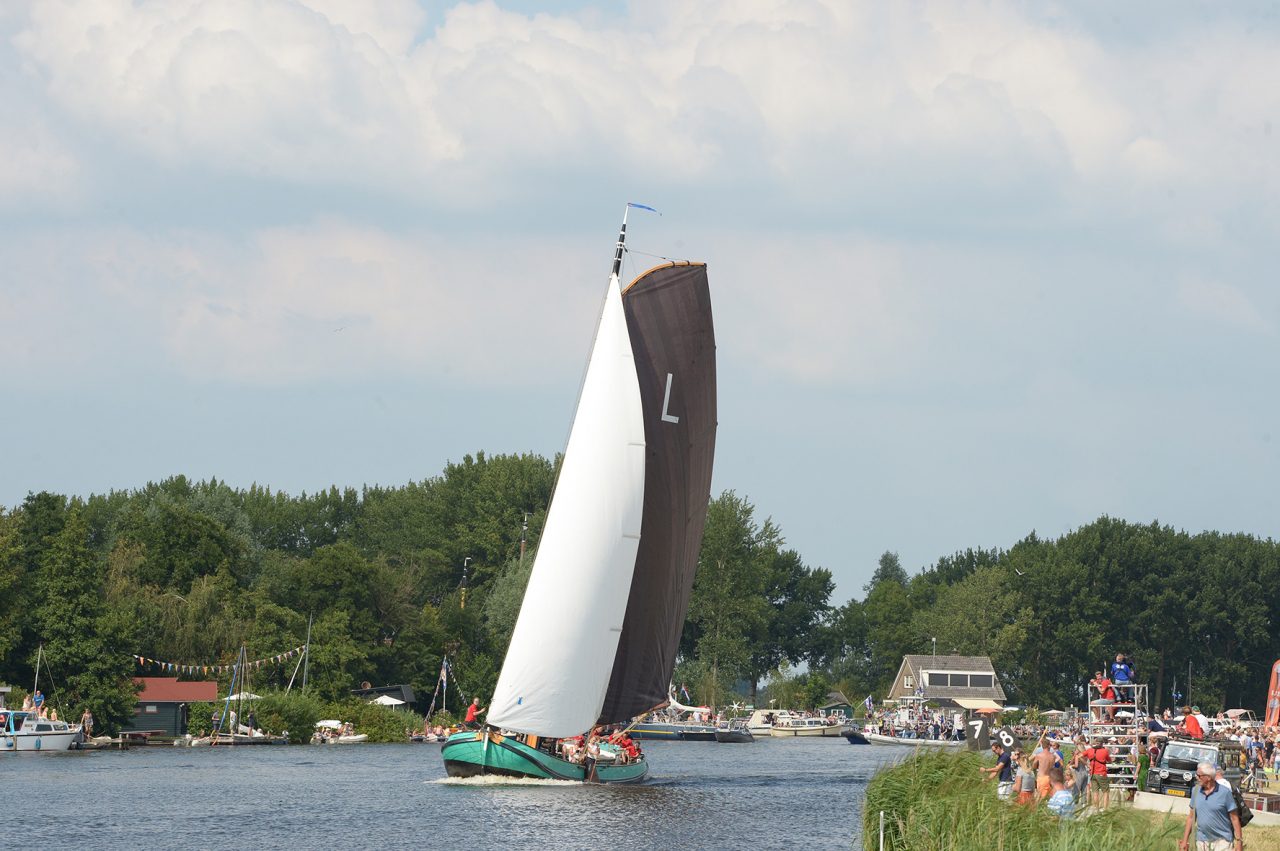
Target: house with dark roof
{"type": "Point", "coordinates": [963, 682]}
{"type": "Point", "coordinates": [837, 704]}
{"type": "Point", "coordinates": [164, 704]}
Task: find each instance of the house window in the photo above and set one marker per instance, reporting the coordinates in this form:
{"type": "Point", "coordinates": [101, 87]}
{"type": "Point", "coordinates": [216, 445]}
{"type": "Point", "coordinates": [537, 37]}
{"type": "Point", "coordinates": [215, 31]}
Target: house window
{"type": "Point", "coordinates": [961, 680]}
{"type": "Point", "coordinates": [909, 682]}
{"type": "Point", "coordinates": [151, 709]}
{"type": "Point", "coordinates": [980, 680]}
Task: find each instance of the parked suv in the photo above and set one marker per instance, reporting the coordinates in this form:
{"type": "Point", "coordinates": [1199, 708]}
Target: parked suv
{"type": "Point", "coordinates": [1175, 772]}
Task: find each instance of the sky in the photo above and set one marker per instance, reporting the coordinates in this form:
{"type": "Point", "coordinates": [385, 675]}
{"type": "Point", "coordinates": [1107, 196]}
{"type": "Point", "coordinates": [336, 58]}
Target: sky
{"type": "Point", "coordinates": [978, 269]}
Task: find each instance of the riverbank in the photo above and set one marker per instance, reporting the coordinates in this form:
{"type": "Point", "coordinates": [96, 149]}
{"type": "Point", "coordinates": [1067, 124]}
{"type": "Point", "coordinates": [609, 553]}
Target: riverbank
{"type": "Point", "coordinates": [937, 801]}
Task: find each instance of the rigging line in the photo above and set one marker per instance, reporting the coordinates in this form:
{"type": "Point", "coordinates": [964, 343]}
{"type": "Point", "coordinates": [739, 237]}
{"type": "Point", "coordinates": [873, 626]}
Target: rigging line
{"type": "Point", "coordinates": [650, 254]}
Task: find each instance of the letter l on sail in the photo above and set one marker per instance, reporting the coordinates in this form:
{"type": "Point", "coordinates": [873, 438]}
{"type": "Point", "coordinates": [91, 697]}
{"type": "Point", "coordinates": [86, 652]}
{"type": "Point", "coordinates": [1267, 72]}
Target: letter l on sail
{"type": "Point", "coordinates": [666, 403]}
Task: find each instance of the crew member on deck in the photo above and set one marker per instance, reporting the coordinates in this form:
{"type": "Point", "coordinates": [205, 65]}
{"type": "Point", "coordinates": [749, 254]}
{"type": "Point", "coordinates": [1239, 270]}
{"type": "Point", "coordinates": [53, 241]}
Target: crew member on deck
{"type": "Point", "coordinates": [473, 714]}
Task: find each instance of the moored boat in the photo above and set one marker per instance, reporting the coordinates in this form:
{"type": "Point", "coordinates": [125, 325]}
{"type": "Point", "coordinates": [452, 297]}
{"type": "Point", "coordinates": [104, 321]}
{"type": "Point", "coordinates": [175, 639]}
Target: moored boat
{"type": "Point", "coordinates": [856, 735]}
{"type": "Point", "coordinates": [913, 742]}
{"type": "Point", "coordinates": [793, 725]}
{"type": "Point", "coordinates": [334, 732]}
{"type": "Point", "coordinates": [623, 532]}
{"type": "Point", "coordinates": [26, 732]}
{"type": "Point", "coordinates": [735, 732]}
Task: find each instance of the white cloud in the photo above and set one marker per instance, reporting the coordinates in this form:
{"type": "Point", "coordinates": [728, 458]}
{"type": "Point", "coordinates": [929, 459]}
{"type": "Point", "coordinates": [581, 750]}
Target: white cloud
{"type": "Point", "coordinates": [1222, 303]}
{"type": "Point", "coordinates": [809, 96]}
{"type": "Point", "coordinates": [36, 169]}
{"type": "Point", "coordinates": [336, 301]}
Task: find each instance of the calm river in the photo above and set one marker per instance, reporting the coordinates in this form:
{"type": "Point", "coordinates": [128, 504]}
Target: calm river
{"type": "Point", "coordinates": [776, 793]}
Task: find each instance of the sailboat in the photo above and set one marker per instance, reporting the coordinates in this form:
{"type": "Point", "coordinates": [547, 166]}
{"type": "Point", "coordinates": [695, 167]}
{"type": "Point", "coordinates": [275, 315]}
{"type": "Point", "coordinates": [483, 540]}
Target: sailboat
{"type": "Point", "coordinates": [596, 639]}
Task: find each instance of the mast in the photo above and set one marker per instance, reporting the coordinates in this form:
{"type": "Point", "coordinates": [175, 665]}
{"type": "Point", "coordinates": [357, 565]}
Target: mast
{"type": "Point", "coordinates": [622, 235]}
{"type": "Point", "coordinates": [622, 240]}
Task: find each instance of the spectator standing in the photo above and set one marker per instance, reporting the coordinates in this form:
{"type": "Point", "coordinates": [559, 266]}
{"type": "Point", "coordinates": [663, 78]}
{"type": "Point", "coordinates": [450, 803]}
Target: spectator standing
{"type": "Point", "coordinates": [1080, 768]}
{"type": "Point", "coordinates": [1099, 782]}
{"type": "Point", "coordinates": [1001, 771]}
{"type": "Point", "coordinates": [1213, 812]}
{"type": "Point", "coordinates": [1024, 782]}
{"type": "Point", "coordinates": [1061, 802]}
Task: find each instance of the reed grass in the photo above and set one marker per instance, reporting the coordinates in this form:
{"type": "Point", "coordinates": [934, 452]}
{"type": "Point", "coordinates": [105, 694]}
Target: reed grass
{"type": "Point", "coordinates": [938, 801]}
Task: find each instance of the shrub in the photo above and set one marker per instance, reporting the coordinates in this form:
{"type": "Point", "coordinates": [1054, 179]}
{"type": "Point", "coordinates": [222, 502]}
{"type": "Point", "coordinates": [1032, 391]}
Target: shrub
{"type": "Point", "coordinates": [295, 712]}
{"type": "Point", "coordinates": [381, 723]}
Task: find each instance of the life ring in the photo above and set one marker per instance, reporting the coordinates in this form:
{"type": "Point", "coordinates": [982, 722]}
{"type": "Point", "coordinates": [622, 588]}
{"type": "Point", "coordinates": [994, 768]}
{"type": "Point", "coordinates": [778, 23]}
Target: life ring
{"type": "Point", "coordinates": [37, 743]}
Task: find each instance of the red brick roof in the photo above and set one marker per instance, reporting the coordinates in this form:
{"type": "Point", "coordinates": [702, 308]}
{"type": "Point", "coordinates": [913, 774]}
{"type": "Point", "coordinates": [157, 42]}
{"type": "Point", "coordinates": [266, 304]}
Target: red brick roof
{"type": "Point", "coordinates": [169, 690]}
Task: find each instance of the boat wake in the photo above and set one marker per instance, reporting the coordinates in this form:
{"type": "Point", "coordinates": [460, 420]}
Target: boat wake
{"type": "Point", "coordinates": [502, 780]}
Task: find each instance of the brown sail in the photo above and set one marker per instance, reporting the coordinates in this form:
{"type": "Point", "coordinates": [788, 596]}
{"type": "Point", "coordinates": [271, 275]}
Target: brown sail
{"type": "Point", "coordinates": [668, 312]}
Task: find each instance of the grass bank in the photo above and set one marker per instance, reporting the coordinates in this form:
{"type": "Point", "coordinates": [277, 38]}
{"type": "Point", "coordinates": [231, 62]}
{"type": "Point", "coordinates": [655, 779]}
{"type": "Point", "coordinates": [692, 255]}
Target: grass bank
{"type": "Point", "coordinates": [937, 801]}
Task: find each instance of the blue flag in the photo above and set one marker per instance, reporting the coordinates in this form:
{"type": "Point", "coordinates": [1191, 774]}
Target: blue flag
{"type": "Point", "coordinates": [642, 207]}
{"type": "Point", "coordinates": [871, 704]}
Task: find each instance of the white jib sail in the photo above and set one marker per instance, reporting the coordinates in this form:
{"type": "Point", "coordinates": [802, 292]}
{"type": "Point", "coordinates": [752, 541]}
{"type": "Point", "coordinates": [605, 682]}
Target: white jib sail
{"type": "Point", "coordinates": [557, 669]}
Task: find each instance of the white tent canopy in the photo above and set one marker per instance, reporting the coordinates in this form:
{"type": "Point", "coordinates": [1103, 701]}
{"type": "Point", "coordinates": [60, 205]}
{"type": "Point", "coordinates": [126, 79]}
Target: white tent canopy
{"type": "Point", "coordinates": [330, 724]}
{"type": "Point", "coordinates": [387, 700]}
{"type": "Point", "coordinates": [243, 695]}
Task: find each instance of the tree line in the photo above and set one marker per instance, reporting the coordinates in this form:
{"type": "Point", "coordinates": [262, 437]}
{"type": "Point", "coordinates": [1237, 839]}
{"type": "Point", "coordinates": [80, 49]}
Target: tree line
{"type": "Point", "coordinates": [392, 579]}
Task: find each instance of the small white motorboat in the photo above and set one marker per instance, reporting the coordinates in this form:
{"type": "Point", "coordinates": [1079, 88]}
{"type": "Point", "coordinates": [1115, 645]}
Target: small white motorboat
{"type": "Point", "coordinates": [795, 725]}
{"type": "Point", "coordinates": [334, 732]}
{"type": "Point", "coordinates": [25, 732]}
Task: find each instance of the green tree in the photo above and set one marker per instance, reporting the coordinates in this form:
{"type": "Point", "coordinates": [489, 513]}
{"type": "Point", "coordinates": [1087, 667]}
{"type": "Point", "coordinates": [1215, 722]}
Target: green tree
{"type": "Point", "coordinates": [83, 641]}
{"type": "Point", "coordinates": [728, 605]}
{"type": "Point", "coordinates": [887, 612]}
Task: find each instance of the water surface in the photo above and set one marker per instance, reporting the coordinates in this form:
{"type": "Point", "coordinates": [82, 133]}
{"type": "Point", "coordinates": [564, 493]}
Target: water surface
{"type": "Point", "coordinates": [776, 793]}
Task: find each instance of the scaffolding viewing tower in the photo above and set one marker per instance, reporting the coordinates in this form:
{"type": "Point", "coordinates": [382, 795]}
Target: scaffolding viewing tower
{"type": "Point", "coordinates": [1119, 727]}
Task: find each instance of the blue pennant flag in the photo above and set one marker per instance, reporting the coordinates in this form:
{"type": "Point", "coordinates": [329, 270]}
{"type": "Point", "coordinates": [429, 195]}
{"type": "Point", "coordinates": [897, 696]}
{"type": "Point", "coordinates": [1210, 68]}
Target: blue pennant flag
{"type": "Point", "coordinates": [642, 207]}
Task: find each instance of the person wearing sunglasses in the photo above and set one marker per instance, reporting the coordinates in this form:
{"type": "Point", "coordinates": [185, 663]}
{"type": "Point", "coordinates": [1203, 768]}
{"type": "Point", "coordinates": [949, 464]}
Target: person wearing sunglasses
{"type": "Point", "coordinates": [1213, 812]}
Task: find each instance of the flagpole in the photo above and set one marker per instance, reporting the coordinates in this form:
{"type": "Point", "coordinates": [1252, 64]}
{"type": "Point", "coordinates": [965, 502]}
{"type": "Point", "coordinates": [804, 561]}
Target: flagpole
{"type": "Point", "coordinates": [306, 654]}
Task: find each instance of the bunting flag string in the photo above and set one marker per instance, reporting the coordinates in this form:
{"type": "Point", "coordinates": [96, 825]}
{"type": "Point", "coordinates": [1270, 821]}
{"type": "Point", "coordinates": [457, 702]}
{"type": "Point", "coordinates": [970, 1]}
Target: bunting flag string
{"type": "Point", "coordinates": [179, 668]}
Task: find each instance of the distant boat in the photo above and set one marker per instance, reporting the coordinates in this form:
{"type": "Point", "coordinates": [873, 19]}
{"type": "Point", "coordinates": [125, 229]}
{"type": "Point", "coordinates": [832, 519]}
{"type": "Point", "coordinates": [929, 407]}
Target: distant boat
{"type": "Point", "coordinates": [856, 735]}
{"type": "Point", "coordinates": [912, 742]}
{"type": "Point", "coordinates": [599, 628]}
{"type": "Point", "coordinates": [795, 725]}
{"type": "Point", "coordinates": [735, 732]}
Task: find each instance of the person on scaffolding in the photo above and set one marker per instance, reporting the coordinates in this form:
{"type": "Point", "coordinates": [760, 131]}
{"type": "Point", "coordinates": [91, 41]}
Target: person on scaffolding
{"type": "Point", "coordinates": [1122, 679]}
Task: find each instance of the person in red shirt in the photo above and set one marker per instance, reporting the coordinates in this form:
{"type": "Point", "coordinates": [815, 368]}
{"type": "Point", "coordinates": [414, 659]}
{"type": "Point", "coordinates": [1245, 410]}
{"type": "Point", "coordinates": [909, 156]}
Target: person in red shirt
{"type": "Point", "coordinates": [1099, 782]}
{"type": "Point", "coordinates": [1106, 699]}
{"type": "Point", "coordinates": [1191, 724]}
{"type": "Point", "coordinates": [473, 713]}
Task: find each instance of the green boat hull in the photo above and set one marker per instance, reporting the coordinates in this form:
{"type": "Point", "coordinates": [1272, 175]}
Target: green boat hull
{"type": "Point", "coordinates": [468, 754]}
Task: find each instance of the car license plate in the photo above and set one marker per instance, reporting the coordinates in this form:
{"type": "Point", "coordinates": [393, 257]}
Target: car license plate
{"type": "Point", "coordinates": [1181, 793]}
